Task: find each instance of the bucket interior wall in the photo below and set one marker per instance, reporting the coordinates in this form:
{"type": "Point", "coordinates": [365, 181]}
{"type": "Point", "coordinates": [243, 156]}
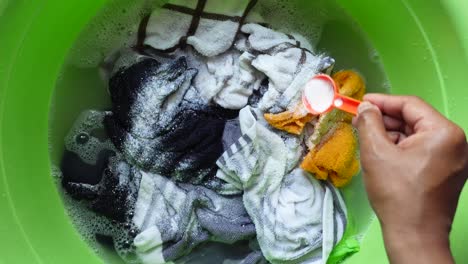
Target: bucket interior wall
{"type": "Point", "coordinates": [423, 52]}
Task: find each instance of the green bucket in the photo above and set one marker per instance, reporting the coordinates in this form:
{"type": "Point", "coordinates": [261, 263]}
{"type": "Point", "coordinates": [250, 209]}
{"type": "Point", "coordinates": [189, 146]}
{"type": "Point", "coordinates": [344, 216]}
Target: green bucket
{"type": "Point", "coordinates": [422, 45]}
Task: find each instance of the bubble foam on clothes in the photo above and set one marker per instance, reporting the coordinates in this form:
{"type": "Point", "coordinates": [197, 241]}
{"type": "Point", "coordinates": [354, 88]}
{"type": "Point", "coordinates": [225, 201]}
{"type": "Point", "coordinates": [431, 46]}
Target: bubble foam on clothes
{"type": "Point", "coordinates": [278, 13]}
{"type": "Point", "coordinates": [89, 223]}
{"type": "Point", "coordinates": [96, 43]}
{"type": "Point", "coordinates": [116, 26]}
{"type": "Point", "coordinates": [86, 221]}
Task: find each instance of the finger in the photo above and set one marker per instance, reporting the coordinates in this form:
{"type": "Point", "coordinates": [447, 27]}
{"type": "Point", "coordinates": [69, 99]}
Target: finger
{"type": "Point", "coordinates": [417, 114]}
{"type": "Point", "coordinates": [396, 136]}
{"type": "Point", "coordinates": [393, 136]}
{"type": "Point", "coordinates": [354, 121]}
{"type": "Point", "coordinates": [392, 123]}
{"type": "Point", "coordinates": [372, 134]}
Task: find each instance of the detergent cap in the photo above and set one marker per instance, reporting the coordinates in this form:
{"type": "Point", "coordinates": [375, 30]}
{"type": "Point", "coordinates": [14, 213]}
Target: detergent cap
{"type": "Point", "coordinates": [321, 95]}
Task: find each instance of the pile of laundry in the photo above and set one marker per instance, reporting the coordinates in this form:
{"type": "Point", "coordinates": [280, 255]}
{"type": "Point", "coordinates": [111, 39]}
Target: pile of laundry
{"type": "Point", "coordinates": [208, 141]}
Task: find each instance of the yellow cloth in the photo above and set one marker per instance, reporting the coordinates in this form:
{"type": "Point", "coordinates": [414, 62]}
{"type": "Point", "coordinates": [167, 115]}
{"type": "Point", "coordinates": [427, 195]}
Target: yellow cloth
{"type": "Point", "coordinates": [335, 158]}
{"type": "Point", "coordinates": [350, 83]}
{"type": "Point", "coordinates": [333, 145]}
{"type": "Point", "coordinates": [290, 121]}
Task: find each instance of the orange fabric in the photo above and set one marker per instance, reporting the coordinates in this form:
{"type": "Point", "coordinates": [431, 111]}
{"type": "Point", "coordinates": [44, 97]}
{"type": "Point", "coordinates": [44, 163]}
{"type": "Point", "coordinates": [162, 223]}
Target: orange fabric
{"type": "Point", "coordinates": [334, 145]}
{"type": "Point", "coordinates": [335, 158]}
{"type": "Point", "coordinates": [290, 121]}
{"type": "Point", "coordinates": [350, 83]}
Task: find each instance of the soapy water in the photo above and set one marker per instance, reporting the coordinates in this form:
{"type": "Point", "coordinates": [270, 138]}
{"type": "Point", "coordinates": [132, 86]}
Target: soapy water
{"type": "Point", "coordinates": [80, 87]}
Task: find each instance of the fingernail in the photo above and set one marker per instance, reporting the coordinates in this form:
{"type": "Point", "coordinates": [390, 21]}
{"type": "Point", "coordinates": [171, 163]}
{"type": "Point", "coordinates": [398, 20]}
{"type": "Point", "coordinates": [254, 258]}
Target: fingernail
{"type": "Point", "coordinates": [364, 106]}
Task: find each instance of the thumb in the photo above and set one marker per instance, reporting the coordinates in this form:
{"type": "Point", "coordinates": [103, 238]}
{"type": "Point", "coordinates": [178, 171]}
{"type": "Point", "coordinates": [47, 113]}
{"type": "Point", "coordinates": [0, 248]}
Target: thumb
{"type": "Point", "coordinates": [372, 134]}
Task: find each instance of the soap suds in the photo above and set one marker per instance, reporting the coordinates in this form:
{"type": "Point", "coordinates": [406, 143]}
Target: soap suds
{"type": "Point", "coordinates": [116, 25]}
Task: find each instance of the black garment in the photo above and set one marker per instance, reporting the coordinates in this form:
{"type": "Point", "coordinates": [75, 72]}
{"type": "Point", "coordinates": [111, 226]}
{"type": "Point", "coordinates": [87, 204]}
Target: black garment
{"type": "Point", "coordinates": [74, 169]}
{"type": "Point", "coordinates": [111, 188]}
{"type": "Point", "coordinates": [89, 172]}
{"type": "Point", "coordinates": [162, 125]}
{"type": "Point", "coordinates": [113, 196]}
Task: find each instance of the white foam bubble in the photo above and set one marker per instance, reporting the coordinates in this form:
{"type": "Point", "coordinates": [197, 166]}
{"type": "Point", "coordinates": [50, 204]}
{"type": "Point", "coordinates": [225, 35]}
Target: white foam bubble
{"type": "Point", "coordinates": [308, 21]}
{"type": "Point", "coordinates": [115, 26]}
{"type": "Point", "coordinates": [374, 55]}
{"type": "Point", "coordinates": [88, 150]}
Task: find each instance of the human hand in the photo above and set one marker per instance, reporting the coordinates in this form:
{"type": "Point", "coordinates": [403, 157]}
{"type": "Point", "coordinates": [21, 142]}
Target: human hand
{"type": "Point", "coordinates": [414, 164]}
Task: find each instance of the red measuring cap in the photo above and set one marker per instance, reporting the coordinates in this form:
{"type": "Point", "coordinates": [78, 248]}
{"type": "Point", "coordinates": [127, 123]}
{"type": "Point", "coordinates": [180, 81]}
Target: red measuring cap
{"type": "Point", "coordinates": [321, 95]}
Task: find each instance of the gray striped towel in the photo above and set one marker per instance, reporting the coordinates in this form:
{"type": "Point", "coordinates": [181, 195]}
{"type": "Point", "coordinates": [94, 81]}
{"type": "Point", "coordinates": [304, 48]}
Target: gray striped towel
{"type": "Point", "coordinates": [174, 219]}
{"type": "Point", "coordinates": [298, 219]}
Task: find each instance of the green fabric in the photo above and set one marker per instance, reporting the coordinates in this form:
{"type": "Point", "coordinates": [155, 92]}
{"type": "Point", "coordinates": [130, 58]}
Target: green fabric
{"type": "Point", "coordinates": [343, 250]}
{"type": "Point", "coordinates": [348, 245]}
{"type": "Point", "coordinates": [325, 124]}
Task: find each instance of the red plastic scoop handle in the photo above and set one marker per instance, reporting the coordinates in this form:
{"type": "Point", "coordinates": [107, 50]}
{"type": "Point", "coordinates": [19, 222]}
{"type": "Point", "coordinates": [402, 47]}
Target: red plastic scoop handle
{"type": "Point", "coordinates": [346, 104]}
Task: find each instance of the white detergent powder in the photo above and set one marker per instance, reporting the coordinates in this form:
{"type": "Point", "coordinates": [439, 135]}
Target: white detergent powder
{"type": "Point", "coordinates": [319, 94]}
